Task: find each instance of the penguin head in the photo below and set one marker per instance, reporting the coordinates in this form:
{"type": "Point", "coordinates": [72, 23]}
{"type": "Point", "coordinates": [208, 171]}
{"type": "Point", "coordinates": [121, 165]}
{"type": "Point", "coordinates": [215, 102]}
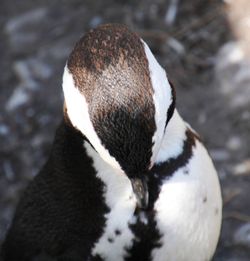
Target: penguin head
{"type": "Point", "coordinates": [119, 98]}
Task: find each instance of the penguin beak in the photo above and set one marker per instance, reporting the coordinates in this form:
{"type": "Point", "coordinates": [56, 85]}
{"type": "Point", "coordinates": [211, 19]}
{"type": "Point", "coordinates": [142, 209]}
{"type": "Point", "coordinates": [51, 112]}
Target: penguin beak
{"type": "Point", "coordinates": [140, 189]}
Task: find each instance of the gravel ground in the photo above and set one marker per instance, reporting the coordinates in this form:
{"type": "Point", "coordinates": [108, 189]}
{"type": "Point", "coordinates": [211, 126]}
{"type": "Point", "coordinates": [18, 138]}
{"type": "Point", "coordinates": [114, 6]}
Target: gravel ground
{"type": "Point", "coordinates": [192, 40]}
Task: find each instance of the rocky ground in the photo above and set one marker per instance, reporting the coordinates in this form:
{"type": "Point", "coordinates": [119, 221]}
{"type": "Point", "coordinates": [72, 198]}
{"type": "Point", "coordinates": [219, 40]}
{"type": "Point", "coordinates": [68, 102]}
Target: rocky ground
{"type": "Point", "coordinates": [192, 40]}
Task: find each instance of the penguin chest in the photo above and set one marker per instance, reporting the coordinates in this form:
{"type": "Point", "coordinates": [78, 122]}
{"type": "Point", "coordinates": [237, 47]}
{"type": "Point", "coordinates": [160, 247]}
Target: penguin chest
{"type": "Point", "coordinates": [188, 211]}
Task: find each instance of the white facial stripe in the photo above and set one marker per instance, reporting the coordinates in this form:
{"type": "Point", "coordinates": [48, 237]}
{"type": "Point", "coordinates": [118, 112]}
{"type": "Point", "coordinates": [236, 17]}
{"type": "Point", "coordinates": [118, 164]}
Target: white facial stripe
{"type": "Point", "coordinates": [77, 109]}
{"type": "Point", "coordinates": [162, 98]}
{"type": "Point", "coordinates": [172, 144]}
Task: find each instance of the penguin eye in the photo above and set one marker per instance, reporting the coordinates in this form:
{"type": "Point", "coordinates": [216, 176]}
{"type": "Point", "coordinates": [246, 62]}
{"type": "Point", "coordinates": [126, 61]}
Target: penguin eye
{"type": "Point", "coordinates": [171, 108]}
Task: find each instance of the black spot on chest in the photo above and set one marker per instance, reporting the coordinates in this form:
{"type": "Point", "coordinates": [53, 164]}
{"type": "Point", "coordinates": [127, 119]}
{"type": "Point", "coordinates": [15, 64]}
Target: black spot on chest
{"type": "Point", "coordinates": [110, 240]}
{"type": "Point", "coordinates": [118, 232]}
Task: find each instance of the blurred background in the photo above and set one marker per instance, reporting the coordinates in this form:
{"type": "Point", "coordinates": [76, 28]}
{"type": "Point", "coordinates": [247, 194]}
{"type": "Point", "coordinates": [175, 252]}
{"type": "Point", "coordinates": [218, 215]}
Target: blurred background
{"type": "Point", "coordinates": [204, 46]}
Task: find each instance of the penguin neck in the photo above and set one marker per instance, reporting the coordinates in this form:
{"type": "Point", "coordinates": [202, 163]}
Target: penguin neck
{"type": "Point", "coordinates": [173, 140]}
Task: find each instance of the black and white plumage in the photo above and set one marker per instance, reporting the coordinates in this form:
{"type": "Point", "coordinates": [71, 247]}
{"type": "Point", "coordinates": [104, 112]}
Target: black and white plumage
{"type": "Point", "coordinates": [127, 178]}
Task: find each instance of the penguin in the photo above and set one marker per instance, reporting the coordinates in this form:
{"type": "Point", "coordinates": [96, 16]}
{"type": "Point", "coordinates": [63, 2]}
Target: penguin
{"type": "Point", "coordinates": [127, 178]}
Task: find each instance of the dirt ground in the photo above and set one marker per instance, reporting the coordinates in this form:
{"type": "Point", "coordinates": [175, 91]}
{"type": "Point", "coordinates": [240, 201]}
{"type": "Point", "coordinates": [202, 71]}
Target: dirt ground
{"type": "Point", "coordinates": [192, 40]}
